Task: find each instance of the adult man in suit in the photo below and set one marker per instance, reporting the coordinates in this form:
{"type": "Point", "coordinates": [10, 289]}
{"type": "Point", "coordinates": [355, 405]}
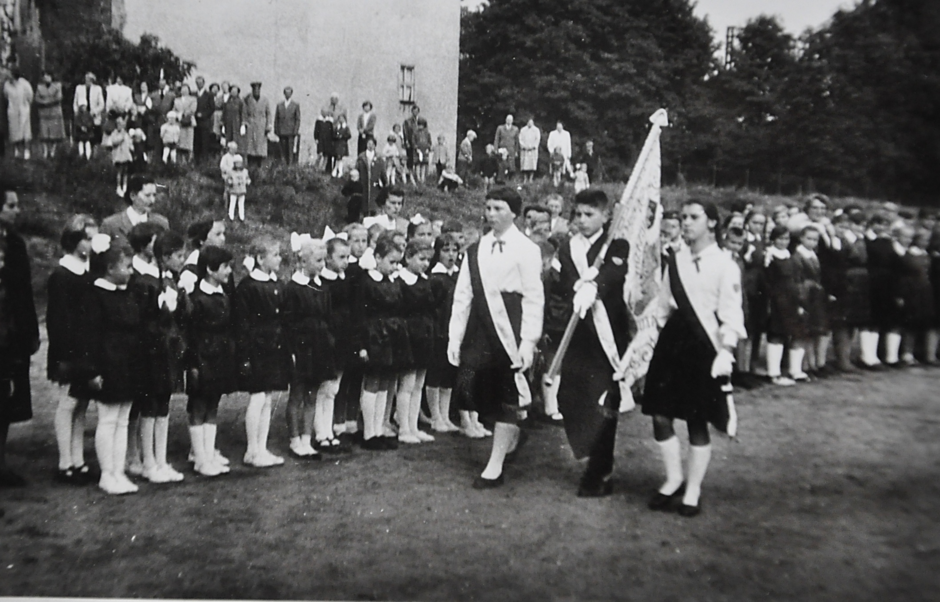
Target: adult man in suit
{"type": "Point", "coordinates": [465, 155]}
{"type": "Point", "coordinates": [205, 106]}
{"type": "Point", "coordinates": [372, 174]}
{"type": "Point", "coordinates": [259, 122]}
{"type": "Point", "coordinates": [91, 95]}
{"type": "Point", "coordinates": [287, 126]}
{"type": "Point", "coordinates": [162, 100]}
{"type": "Point", "coordinates": [141, 196]}
{"type": "Point", "coordinates": [408, 129]}
{"type": "Point", "coordinates": [507, 136]}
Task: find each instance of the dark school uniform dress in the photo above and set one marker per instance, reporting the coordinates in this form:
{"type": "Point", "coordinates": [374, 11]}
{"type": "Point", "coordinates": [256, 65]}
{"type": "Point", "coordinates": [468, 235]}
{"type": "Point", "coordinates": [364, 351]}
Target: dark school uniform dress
{"type": "Point", "coordinates": [210, 344]}
{"type": "Point", "coordinates": [111, 342]}
{"type": "Point", "coordinates": [383, 329]}
{"type": "Point", "coordinates": [345, 328]}
{"type": "Point", "coordinates": [587, 371]}
{"type": "Point", "coordinates": [440, 373]}
{"type": "Point", "coordinates": [22, 327]}
{"type": "Point", "coordinates": [813, 297]}
{"type": "Point", "coordinates": [679, 384]}
{"type": "Point", "coordinates": [783, 296]}
{"type": "Point", "coordinates": [306, 323]}
{"type": "Point", "coordinates": [67, 286]}
{"type": "Point", "coordinates": [752, 285]}
{"type": "Point", "coordinates": [935, 283]}
{"type": "Point", "coordinates": [883, 267]}
{"type": "Point", "coordinates": [855, 302]}
{"type": "Point", "coordinates": [916, 290]}
{"type": "Point", "coordinates": [263, 359]}
{"type": "Point", "coordinates": [418, 305]}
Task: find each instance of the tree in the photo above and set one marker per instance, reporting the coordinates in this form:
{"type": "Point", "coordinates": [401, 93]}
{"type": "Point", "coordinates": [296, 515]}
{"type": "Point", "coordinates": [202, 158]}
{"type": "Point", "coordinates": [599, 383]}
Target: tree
{"type": "Point", "coordinates": [599, 66]}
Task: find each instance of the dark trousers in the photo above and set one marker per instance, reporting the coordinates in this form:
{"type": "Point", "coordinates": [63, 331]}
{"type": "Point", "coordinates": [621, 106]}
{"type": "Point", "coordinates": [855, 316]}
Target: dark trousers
{"type": "Point", "coordinates": [288, 148]}
{"type": "Point", "coordinates": [601, 459]}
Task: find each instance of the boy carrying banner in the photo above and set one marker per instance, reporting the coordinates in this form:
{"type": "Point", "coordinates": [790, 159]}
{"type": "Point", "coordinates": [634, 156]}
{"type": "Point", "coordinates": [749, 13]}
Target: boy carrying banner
{"type": "Point", "coordinates": [588, 396]}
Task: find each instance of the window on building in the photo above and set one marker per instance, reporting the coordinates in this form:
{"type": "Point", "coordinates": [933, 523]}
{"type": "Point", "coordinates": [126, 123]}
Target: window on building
{"type": "Point", "coordinates": [406, 85]}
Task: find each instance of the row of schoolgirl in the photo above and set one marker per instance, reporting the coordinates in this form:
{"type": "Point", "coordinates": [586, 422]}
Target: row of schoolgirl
{"type": "Point", "coordinates": [133, 321]}
{"type": "Point", "coordinates": [866, 284]}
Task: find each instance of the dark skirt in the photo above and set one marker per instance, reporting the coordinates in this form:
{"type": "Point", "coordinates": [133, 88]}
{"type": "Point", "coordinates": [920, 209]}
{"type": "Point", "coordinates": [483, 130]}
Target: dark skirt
{"type": "Point", "coordinates": [14, 377]}
{"type": "Point", "coordinates": [387, 343]}
{"type": "Point", "coordinates": [679, 383]}
{"type": "Point", "coordinates": [422, 339]}
{"type": "Point", "coordinates": [314, 351]}
{"type": "Point", "coordinates": [269, 361]}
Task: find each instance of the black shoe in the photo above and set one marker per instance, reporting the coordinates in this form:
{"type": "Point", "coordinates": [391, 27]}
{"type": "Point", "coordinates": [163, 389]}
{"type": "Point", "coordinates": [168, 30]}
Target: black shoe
{"type": "Point", "coordinates": [374, 444]}
{"type": "Point", "coordinates": [596, 489]}
{"type": "Point", "coordinates": [690, 511]}
{"type": "Point", "coordinates": [523, 437]}
{"type": "Point", "coordinates": [389, 442]}
{"type": "Point", "coordinates": [69, 476]}
{"type": "Point", "coordinates": [481, 483]}
{"type": "Point", "coordinates": [663, 502]}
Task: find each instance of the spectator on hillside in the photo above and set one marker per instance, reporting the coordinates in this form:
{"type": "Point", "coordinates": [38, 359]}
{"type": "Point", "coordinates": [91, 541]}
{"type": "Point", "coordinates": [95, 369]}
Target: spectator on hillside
{"type": "Point", "coordinates": [595, 169]}
{"type": "Point", "coordinates": [48, 101]}
{"type": "Point", "coordinates": [465, 155]}
{"type": "Point", "coordinates": [529, 139]}
{"type": "Point", "coordinates": [341, 136]}
{"type": "Point", "coordinates": [162, 101]}
{"type": "Point", "coordinates": [334, 107]}
{"type": "Point", "coordinates": [507, 137]}
{"type": "Point", "coordinates": [185, 106]}
{"type": "Point", "coordinates": [141, 118]}
{"type": "Point", "coordinates": [119, 99]}
{"type": "Point", "coordinates": [408, 129]}
{"type": "Point", "coordinates": [204, 144]}
{"type": "Point", "coordinates": [140, 197]}
{"type": "Point", "coordinates": [440, 154]}
{"type": "Point", "coordinates": [233, 117]}
{"type": "Point", "coordinates": [219, 98]}
{"type": "Point", "coordinates": [260, 124]}
{"type": "Point", "coordinates": [91, 96]}
{"type": "Point", "coordinates": [323, 133]}
{"type": "Point", "coordinates": [19, 97]}
{"type": "Point", "coordinates": [560, 140]}
{"type": "Point", "coordinates": [371, 169]}
{"type": "Point", "coordinates": [365, 125]}
{"type": "Point", "coordinates": [422, 144]}
{"type": "Point", "coordinates": [287, 126]}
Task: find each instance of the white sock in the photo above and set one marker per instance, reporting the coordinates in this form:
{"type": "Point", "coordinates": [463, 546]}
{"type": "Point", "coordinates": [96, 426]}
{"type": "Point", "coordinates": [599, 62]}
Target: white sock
{"type": "Point", "coordinates": [892, 347]}
{"type": "Point", "coordinates": [161, 433]}
{"type": "Point", "coordinates": [504, 439]}
{"type": "Point", "coordinates": [104, 437]}
{"type": "Point", "coordinates": [774, 359]}
{"type": "Point", "coordinates": [62, 422]}
{"type": "Point", "coordinates": [367, 402]}
{"type": "Point", "coordinates": [78, 432]}
{"type": "Point", "coordinates": [672, 462]}
{"type": "Point", "coordinates": [868, 347]}
{"type": "Point", "coordinates": [121, 437]}
{"type": "Point", "coordinates": [232, 205]}
{"type": "Point", "coordinates": [445, 406]}
{"type": "Point", "coordinates": [253, 422]}
{"type": "Point", "coordinates": [209, 432]}
{"type": "Point", "coordinates": [265, 425]}
{"type": "Point", "coordinates": [382, 412]}
{"type": "Point", "coordinates": [434, 403]}
{"type": "Point", "coordinates": [796, 361]}
{"type": "Point", "coordinates": [326, 401]}
{"type": "Point", "coordinates": [699, 457]}
{"type": "Point", "coordinates": [147, 436]}
{"type": "Point", "coordinates": [241, 207]}
{"type": "Point", "coordinates": [550, 394]}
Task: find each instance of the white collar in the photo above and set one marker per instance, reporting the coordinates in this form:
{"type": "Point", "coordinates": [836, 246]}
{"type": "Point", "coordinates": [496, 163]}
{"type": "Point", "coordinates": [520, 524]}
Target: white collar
{"type": "Point", "coordinates": [331, 275]}
{"type": "Point", "coordinates": [74, 264]}
{"type": "Point", "coordinates": [260, 276]}
{"type": "Point", "coordinates": [711, 249]}
{"type": "Point", "coordinates": [898, 248]}
{"type": "Point", "coordinates": [375, 275]}
{"type": "Point", "coordinates": [772, 252]}
{"type": "Point", "coordinates": [805, 252]}
{"type": "Point", "coordinates": [408, 276]}
{"type": "Point", "coordinates": [287, 102]}
{"type": "Point", "coordinates": [193, 258]}
{"type": "Point", "coordinates": [593, 239]}
{"type": "Point", "coordinates": [210, 289]}
{"type": "Point", "coordinates": [108, 285]}
{"type": "Point", "coordinates": [300, 278]}
{"type": "Point", "coordinates": [440, 269]}
{"type": "Point", "coordinates": [370, 155]}
{"type": "Point", "coordinates": [135, 217]}
{"type": "Point", "coordinates": [142, 267]}
{"type": "Point", "coordinates": [849, 236]}
{"type": "Point", "coordinates": [916, 251]}
{"type": "Point", "coordinates": [168, 275]}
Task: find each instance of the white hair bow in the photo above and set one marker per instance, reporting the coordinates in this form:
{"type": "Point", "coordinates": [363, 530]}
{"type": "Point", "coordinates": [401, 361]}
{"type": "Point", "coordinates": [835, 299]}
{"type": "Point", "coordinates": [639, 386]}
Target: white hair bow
{"type": "Point", "coordinates": [418, 219]}
{"type": "Point", "coordinates": [100, 243]}
{"type": "Point", "coordinates": [249, 263]}
{"type": "Point", "coordinates": [297, 241]}
{"type": "Point", "coordinates": [329, 235]}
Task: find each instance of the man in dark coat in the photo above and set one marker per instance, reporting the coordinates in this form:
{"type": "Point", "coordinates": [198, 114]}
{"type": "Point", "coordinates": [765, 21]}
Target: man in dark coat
{"type": "Point", "coordinates": [588, 397]}
{"type": "Point", "coordinates": [372, 175]}
{"type": "Point", "coordinates": [408, 129]}
{"type": "Point", "coordinates": [162, 99]}
{"type": "Point", "coordinates": [203, 143]}
{"type": "Point", "coordinates": [287, 126]}
{"type": "Point", "coordinates": [19, 330]}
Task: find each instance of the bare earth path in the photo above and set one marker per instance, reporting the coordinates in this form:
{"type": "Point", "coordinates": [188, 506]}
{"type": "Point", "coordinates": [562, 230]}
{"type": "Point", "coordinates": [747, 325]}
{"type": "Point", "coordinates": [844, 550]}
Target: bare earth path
{"type": "Point", "coordinates": [832, 492]}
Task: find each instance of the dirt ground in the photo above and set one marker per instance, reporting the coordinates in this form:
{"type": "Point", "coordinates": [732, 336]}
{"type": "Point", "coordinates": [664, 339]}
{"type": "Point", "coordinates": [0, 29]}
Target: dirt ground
{"type": "Point", "coordinates": [831, 492]}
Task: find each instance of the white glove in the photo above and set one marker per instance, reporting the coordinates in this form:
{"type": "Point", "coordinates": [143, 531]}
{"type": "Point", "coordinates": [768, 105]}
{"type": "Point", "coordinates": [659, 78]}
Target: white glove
{"type": "Point", "coordinates": [526, 356]}
{"type": "Point", "coordinates": [168, 299]}
{"type": "Point", "coordinates": [244, 129]}
{"type": "Point", "coordinates": [584, 297]}
{"type": "Point", "coordinates": [723, 364]}
{"type": "Point", "coordinates": [453, 355]}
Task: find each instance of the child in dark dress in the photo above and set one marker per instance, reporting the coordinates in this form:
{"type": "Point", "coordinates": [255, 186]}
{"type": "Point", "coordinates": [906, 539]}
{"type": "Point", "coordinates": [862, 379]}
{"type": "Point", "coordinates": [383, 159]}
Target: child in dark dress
{"type": "Point", "coordinates": [263, 361]}
{"type": "Point", "coordinates": [338, 285]}
{"type": "Point", "coordinates": [418, 306]}
{"type": "Point", "coordinates": [307, 335]}
{"type": "Point", "coordinates": [813, 300]}
{"type": "Point", "coordinates": [917, 294]}
{"type": "Point", "coordinates": [110, 357]}
{"type": "Point", "coordinates": [67, 286]}
{"type": "Point", "coordinates": [441, 376]}
{"type": "Point", "coordinates": [383, 340]}
{"type": "Point", "coordinates": [210, 351]}
{"type": "Point", "coordinates": [784, 322]}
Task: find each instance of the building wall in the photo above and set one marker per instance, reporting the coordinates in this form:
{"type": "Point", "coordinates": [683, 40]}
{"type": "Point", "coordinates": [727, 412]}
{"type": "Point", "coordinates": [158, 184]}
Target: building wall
{"type": "Point", "coordinates": [352, 47]}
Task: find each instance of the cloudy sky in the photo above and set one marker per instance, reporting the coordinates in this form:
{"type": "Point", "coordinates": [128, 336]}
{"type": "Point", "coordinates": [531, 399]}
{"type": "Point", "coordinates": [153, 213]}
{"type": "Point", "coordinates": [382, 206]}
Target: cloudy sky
{"type": "Point", "coordinates": [796, 15]}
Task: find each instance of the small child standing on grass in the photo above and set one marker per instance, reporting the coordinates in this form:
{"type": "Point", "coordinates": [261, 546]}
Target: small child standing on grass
{"type": "Point", "coordinates": [581, 179]}
{"type": "Point", "coordinates": [236, 183]}
{"type": "Point", "coordinates": [122, 152]}
{"type": "Point", "coordinates": [228, 160]}
{"type": "Point", "coordinates": [170, 136]}
{"type": "Point", "coordinates": [441, 155]}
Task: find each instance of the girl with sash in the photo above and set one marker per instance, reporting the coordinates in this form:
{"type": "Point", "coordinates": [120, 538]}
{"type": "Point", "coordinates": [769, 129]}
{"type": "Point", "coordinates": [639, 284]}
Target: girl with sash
{"type": "Point", "coordinates": [700, 310]}
{"type": "Point", "coordinates": [495, 324]}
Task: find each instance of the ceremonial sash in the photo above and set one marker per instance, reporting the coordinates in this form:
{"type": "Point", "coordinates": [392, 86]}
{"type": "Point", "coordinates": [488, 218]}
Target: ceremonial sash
{"type": "Point", "coordinates": [497, 321]}
{"type": "Point", "coordinates": [686, 308]}
{"type": "Point", "coordinates": [605, 334]}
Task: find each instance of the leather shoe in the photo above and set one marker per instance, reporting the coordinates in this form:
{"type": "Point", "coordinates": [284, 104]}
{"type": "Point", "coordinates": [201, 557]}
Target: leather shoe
{"type": "Point", "coordinates": [690, 511]}
{"type": "Point", "coordinates": [523, 437]}
{"type": "Point", "coordinates": [597, 489]}
{"type": "Point", "coordinates": [481, 483]}
{"type": "Point", "coordinates": [663, 502]}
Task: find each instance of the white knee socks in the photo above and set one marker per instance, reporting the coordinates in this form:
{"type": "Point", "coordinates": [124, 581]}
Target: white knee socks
{"type": "Point", "coordinates": [796, 363]}
{"type": "Point", "coordinates": [774, 359]}
{"type": "Point", "coordinates": [672, 462]}
{"type": "Point", "coordinates": [253, 424]}
{"type": "Point", "coordinates": [868, 344]}
{"type": "Point", "coordinates": [699, 457]}
{"type": "Point", "coordinates": [367, 402]}
{"type": "Point", "coordinates": [892, 347]}
{"type": "Point", "coordinates": [104, 438]}
{"type": "Point", "coordinates": [323, 417]}
{"type": "Point", "coordinates": [550, 395]}
{"type": "Point", "coordinates": [64, 418]}
{"type": "Point", "coordinates": [504, 439]}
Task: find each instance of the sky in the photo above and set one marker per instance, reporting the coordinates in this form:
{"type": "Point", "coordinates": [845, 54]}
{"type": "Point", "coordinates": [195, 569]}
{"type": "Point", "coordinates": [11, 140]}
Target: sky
{"type": "Point", "coordinates": [795, 15]}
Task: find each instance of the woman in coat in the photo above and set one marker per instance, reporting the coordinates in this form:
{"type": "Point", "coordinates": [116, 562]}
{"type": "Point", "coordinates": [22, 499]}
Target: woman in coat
{"type": "Point", "coordinates": [529, 139]}
{"type": "Point", "coordinates": [19, 95]}
{"type": "Point", "coordinates": [185, 107]}
{"type": "Point", "coordinates": [48, 101]}
{"type": "Point", "coordinates": [233, 117]}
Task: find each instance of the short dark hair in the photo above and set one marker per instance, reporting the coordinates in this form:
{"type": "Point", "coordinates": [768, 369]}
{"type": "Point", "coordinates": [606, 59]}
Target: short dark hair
{"type": "Point", "coordinates": [536, 209]}
{"type": "Point", "coordinates": [135, 184]}
{"type": "Point", "coordinates": [141, 235]}
{"type": "Point", "coordinates": [199, 232]}
{"type": "Point", "coordinates": [778, 231]}
{"type": "Point", "coordinates": [385, 245]}
{"type": "Point", "coordinates": [416, 246]}
{"type": "Point", "coordinates": [592, 197]}
{"type": "Point", "coordinates": [100, 263]}
{"type": "Point", "coordinates": [672, 215]}
{"type": "Point", "coordinates": [211, 258]}
{"type": "Point", "coordinates": [711, 211]}
{"type": "Point", "coordinates": [508, 195]}
{"type": "Point", "coordinates": [335, 242]}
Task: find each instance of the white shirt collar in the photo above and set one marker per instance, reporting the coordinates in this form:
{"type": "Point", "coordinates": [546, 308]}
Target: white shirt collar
{"type": "Point", "coordinates": [593, 239]}
{"type": "Point", "coordinates": [300, 278]}
{"type": "Point", "coordinates": [331, 275]}
{"type": "Point", "coordinates": [849, 236]}
{"type": "Point", "coordinates": [108, 285]}
{"type": "Point", "coordinates": [440, 269]}
{"type": "Point", "coordinates": [375, 275]}
{"type": "Point", "coordinates": [898, 248]}
{"type": "Point", "coordinates": [142, 267]}
{"type": "Point", "coordinates": [408, 276]}
{"type": "Point", "coordinates": [210, 289]}
{"type": "Point", "coordinates": [135, 217]}
{"type": "Point", "coordinates": [193, 258]}
{"type": "Point", "coordinates": [287, 102]}
{"type": "Point", "coordinates": [260, 276]}
{"type": "Point", "coordinates": [805, 252]}
{"type": "Point", "coordinates": [370, 155]}
{"type": "Point", "coordinates": [711, 249]}
{"type": "Point", "coordinates": [74, 265]}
